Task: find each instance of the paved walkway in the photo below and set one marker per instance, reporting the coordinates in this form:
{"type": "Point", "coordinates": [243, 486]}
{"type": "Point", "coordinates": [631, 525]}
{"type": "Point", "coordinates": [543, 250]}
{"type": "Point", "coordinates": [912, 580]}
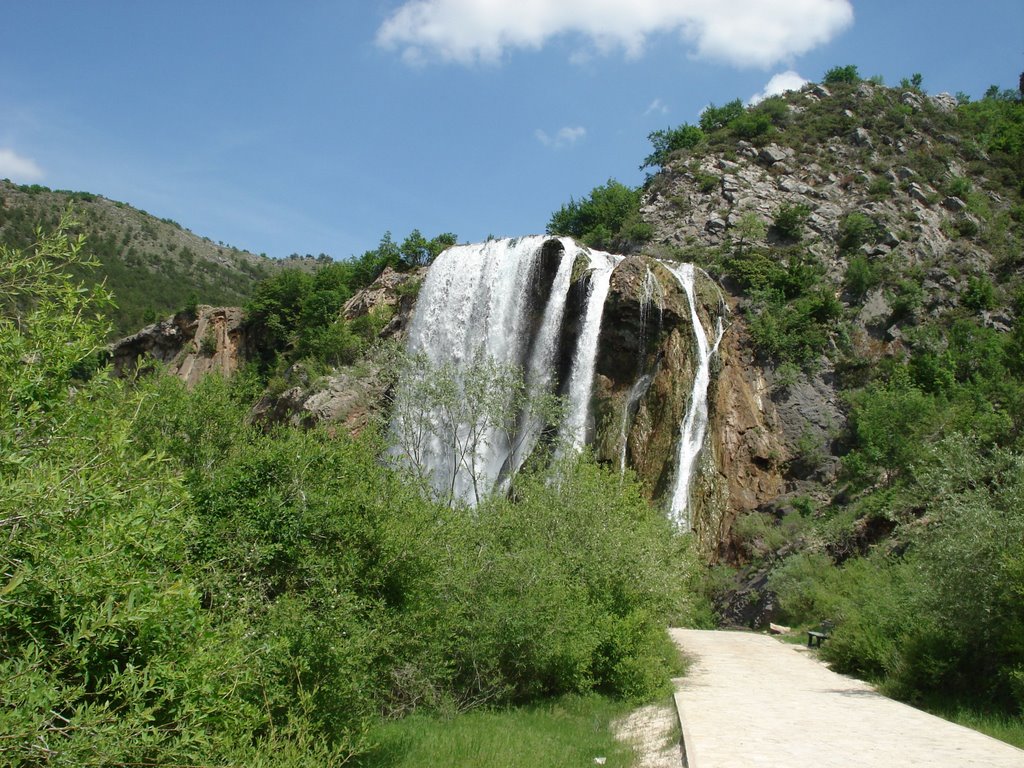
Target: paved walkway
{"type": "Point", "coordinates": [751, 700]}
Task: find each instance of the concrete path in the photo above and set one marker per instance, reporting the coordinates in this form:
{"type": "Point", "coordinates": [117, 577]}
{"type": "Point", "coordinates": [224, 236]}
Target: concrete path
{"type": "Point", "coordinates": [752, 700]}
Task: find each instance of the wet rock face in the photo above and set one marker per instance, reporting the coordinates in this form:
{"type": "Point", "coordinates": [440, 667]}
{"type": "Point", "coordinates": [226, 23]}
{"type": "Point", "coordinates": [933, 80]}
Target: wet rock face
{"type": "Point", "coordinates": [210, 340]}
{"type": "Point", "coordinates": [646, 364]}
{"type": "Point", "coordinates": [645, 369]}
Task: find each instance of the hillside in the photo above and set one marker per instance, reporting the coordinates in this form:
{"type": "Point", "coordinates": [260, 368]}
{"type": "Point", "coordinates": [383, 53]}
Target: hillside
{"type": "Point", "coordinates": [153, 266]}
{"type": "Point", "coordinates": [236, 594]}
{"type": "Point", "coordinates": [871, 241]}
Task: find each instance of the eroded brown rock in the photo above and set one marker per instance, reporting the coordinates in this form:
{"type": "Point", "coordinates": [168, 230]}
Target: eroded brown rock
{"type": "Point", "coordinates": [210, 340]}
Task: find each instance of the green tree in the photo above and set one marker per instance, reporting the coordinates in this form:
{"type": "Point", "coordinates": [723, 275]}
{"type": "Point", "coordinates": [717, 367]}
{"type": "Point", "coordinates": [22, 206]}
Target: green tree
{"type": "Point", "coordinates": [671, 140]}
{"type": "Point", "coordinates": [608, 216]}
{"type": "Point", "coordinates": [844, 74]}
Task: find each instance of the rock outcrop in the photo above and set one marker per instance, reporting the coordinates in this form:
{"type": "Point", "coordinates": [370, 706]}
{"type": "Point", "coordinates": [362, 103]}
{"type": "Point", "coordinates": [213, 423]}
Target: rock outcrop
{"type": "Point", "coordinates": [190, 344]}
{"type": "Point", "coordinates": [392, 294]}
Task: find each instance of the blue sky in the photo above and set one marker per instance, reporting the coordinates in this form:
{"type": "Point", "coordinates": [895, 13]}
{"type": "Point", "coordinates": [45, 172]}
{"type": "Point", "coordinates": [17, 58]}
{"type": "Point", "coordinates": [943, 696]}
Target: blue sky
{"type": "Point", "coordinates": [314, 126]}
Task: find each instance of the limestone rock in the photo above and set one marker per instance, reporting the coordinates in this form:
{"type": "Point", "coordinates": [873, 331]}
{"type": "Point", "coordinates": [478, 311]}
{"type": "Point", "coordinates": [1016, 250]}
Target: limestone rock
{"type": "Point", "coordinates": [211, 340]}
{"type": "Point", "coordinates": [392, 293]}
{"type": "Point", "coordinates": [772, 154]}
{"type": "Point", "coordinates": [945, 102]}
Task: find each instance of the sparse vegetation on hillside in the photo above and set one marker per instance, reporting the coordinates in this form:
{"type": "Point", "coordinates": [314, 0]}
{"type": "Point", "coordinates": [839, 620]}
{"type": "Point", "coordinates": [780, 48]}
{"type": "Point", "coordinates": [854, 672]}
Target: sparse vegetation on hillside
{"type": "Point", "coordinates": [913, 548]}
{"type": "Point", "coordinates": [152, 266]}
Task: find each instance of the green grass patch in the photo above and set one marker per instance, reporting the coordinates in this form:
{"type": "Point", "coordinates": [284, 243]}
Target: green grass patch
{"type": "Point", "coordinates": [998, 726]}
{"type": "Point", "coordinates": [572, 730]}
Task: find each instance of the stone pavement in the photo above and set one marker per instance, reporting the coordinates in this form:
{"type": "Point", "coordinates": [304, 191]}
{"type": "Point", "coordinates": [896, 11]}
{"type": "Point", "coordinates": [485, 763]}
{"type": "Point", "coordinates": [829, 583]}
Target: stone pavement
{"type": "Point", "coordinates": [752, 700]}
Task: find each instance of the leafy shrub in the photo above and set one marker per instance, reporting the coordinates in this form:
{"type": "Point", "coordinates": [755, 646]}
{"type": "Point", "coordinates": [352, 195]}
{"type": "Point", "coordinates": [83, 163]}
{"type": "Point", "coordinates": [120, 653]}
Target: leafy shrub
{"type": "Point", "coordinates": [855, 230]}
{"type": "Point", "coordinates": [980, 294]}
{"type": "Point", "coordinates": [605, 573]}
{"type": "Point", "coordinates": [966, 226]}
{"type": "Point", "coordinates": [716, 118]}
{"type": "Point", "coordinates": [958, 186]}
{"type": "Point", "coordinates": [880, 188]}
{"type": "Point", "coordinates": [609, 215]}
{"type": "Point", "coordinates": [861, 275]}
{"type": "Point", "coordinates": [707, 182]}
{"type": "Point", "coordinates": [670, 140]}
{"type": "Point", "coordinates": [888, 423]}
{"type": "Point", "coordinates": [789, 221]}
{"type": "Point", "coordinates": [843, 74]}
{"type": "Point", "coordinates": [906, 298]}
{"type": "Point", "coordinates": [752, 125]}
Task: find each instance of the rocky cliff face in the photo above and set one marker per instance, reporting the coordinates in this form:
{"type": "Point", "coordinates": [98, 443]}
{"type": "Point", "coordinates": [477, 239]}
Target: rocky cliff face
{"type": "Point", "coordinates": [190, 344]}
{"type": "Point", "coordinates": [645, 370]}
{"type": "Point", "coordinates": [877, 176]}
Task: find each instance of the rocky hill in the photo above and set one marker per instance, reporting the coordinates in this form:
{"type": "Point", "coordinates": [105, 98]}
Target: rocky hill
{"type": "Point", "coordinates": [852, 228]}
{"type": "Point", "coordinates": [889, 202]}
{"type": "Point", "coordinates": [153, 266]}
{"type": "Point", "coordinates": [864, 453]}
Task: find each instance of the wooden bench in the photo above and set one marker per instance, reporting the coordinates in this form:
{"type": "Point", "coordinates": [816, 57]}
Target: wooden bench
{"type": "Point", "coordinates": [815, 637]}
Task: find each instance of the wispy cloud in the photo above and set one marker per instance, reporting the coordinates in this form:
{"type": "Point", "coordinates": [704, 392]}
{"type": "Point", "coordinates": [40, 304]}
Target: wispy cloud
{"type": "Point", "coordinates": [17, 167]}
{"type": "Point", "coordinates": [739, 32]}
{"type": "Point", "coordinates": [565, 137]}
{"type": "Point", "coordinates": [780, 83]}
{"type": "Point", "coordinates": [656, 107]}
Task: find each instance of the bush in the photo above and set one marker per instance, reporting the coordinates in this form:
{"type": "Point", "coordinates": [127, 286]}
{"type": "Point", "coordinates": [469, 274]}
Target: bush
{"type": "Point", "coordinates": [609, 216]}
{"type": "Point", "coordinates": [844, 74]}
{"type": "Point", "coordinates": [855, 230]}
{"type": "Point", "coordinates": [669, 141]}
{"type": "Point", "coordinates": [752, 125]}
{"type": "Point", "coordinates": [980, 294]}
{"type": "Point", "coordinates": [567, 589]}
{"type": "Point", "coordinates": [716, 118]}
{"type": "Point", "coordinates": [789, 221]}
{"type": "Point", "coordinates": [861, 276]}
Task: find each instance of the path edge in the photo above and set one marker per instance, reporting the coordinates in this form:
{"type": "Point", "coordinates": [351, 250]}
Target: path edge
{"type": "Point", "coordinates": [686, 742]}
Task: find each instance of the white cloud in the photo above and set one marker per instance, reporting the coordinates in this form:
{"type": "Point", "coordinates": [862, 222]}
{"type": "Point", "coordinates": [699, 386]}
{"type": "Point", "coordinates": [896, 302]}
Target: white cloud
{"type": "Point", "coordinates": [739, 32]}
{"type": "Point", "coordinates": [17, 168]}
{"type": "Point", "coordinates": [656, 106]}
{"type": "Point", "coordinates": [780, 83]}
{"type": "Point", "coordinates": [566, 136]}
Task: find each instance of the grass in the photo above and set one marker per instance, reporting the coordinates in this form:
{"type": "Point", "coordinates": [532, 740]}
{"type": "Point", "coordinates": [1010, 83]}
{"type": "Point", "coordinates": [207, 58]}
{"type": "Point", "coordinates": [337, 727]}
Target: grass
{"type": "Point", "coordinates": [998, 726]}
{"type": "Point", "coordinates": [572, 730]}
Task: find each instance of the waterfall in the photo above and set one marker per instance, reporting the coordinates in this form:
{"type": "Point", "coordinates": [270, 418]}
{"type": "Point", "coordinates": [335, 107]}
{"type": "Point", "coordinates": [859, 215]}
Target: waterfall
{"type": "Point", "coordinates": [474, 305]}
{"type": "Point", "coordinates": [503, 302]}
{"type": "Point", "coordinates": [541, 367]}
{"type": "Point", "coordinates": [651, 291]}
{"type": "Point", "coordinates": [637, 391]}
{"type": "Point", "coordinates": [581, 379]}
{"type": "Point", "coordinates": [691, 438]}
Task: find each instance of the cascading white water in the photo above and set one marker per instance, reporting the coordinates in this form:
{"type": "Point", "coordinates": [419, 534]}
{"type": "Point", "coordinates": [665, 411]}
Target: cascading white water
{"type": "Point", "coordinates": [637, 391]}
{"type": "Point", "coordinates": [581, 379]}
{"type": "Point", "coordinates": [474, 305]}
{"type": "Point", "coordinates": [691, 438]}
{"type": "Point", "coordinates": [652, 293]}
{"type": "Point", "coordinates": [541, 367]}
{"type": "Point", "coordinates": [477, 303]}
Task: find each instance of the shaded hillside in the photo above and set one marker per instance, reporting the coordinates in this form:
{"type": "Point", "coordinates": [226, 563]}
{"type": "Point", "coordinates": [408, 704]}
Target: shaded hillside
{"type": "Point", "coordinates": [153, 266]}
